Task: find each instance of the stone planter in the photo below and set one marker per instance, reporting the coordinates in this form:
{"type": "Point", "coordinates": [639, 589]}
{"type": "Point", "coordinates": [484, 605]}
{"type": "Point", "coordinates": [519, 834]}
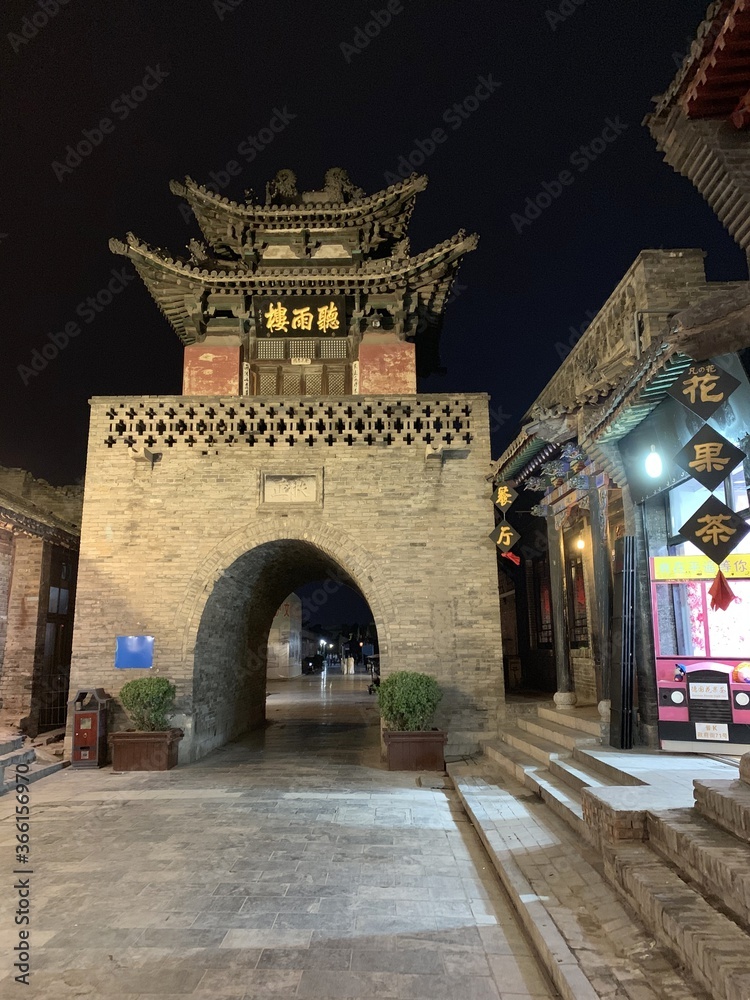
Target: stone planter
{"type": "Point", "coordinates": [138, 751]}
{"type": "Point", "coordinates": [417, 751]}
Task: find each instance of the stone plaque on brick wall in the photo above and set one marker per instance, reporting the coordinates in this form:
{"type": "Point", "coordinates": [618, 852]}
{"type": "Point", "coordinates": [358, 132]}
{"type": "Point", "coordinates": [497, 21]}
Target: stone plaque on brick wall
{"type": "Point", "coordinates": [290, 489]}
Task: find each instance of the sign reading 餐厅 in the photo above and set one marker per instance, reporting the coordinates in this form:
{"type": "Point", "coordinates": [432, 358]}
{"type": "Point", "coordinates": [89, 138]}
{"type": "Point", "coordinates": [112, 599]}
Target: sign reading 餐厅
{"type": "Point", "coordinates": [504, 536]}
{"type": "Point", "coordinates": [300, 315]}
{"type": "Point", "coordinates": [703, 388]}
{"type": "Point", "coordinates": [504, 496]}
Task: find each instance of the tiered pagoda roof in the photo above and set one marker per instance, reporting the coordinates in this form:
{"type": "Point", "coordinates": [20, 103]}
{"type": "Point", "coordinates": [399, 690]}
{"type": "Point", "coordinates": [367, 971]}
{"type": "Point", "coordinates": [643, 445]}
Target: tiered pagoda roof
{"type": "Point", "coordinates": [337, 241]}
{"type": "Point", "coordinates": [239, 225]}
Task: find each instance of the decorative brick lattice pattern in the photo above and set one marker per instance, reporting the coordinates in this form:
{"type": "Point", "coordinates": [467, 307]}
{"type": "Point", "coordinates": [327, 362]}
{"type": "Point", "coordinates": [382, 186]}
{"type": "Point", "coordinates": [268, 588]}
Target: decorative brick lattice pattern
{"type": "Point", "coordinates": [284, 423]}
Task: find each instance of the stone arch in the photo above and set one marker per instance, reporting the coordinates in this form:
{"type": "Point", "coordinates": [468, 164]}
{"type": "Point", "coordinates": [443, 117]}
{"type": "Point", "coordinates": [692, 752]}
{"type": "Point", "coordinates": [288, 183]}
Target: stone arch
{"type": "Point", "coordinates": [228, 607]}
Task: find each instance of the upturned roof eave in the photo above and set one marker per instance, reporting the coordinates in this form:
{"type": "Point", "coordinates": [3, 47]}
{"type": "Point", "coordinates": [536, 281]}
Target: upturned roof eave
{"type": "Point", "coordinates": [393, 270]}
{"type": "Point", "coordinates": [388, 201]}
{"type": "Point", "coordinates": [168, 279]}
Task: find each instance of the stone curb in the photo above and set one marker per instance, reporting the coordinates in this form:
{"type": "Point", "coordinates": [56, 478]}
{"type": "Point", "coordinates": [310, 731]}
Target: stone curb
{"type": "Point", "coordinates": [558, 960]}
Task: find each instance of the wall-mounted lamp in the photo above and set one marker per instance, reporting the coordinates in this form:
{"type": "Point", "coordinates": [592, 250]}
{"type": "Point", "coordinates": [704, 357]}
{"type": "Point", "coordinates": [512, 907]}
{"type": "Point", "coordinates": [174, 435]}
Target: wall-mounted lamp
{"type": "Point", "coordinates": [654, 466]}
{"type": "Point", "coordinates": [580, 544]}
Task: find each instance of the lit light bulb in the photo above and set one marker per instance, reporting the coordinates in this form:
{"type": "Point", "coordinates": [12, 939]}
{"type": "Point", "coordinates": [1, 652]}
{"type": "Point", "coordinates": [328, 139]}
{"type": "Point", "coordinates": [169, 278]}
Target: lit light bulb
{"type": "Point", "coordinates": [653, 463]}
{"type": "Point", "coordinates": [580, 544]}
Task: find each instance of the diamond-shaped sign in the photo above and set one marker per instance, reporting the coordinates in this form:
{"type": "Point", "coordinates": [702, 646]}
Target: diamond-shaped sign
{"type": "Point", "coordinates": [709, 457]}
{"type": "Point", "coordinates": [703, 388]}
{"type": "Point", "coordinates": [715, 529]}
{"type": "Point", "coordinates": [504, 496]}
{"type": "Point", "coordinates": [504, 536]}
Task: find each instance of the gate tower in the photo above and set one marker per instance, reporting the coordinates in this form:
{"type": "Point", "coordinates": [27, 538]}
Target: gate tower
{"type": "Point", "coordinates": [299, 450]}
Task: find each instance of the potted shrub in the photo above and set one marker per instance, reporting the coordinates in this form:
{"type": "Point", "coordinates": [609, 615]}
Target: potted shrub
{"type": "Point", "coordinates": [408, 701]}
{"type": "Point", "coordinates": [152, 745]}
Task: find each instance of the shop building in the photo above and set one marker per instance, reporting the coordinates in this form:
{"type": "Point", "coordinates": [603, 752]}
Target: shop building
{"type": "Point", "coordinates": [39, 539]}
{"type": "Point", "coordinates": [594, 439]}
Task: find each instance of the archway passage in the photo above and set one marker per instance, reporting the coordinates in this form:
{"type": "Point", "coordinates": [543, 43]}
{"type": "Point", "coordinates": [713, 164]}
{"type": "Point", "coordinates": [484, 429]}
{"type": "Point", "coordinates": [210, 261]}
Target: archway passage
{"type": "Point", "coordinates": [231, 653]}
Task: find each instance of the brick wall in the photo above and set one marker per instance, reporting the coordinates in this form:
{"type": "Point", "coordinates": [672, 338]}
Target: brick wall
{"type": "Point", "coordinates": [25, 631]}
{"type": "Point", "coordinates": [187, 550]}
{"type": "Point", "coordinates": [6, 568]}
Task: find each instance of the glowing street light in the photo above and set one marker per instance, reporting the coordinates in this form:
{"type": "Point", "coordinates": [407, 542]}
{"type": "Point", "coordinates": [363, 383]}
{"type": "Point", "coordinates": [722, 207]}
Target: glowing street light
{"type": "Point", "coordinates": [654, 464]}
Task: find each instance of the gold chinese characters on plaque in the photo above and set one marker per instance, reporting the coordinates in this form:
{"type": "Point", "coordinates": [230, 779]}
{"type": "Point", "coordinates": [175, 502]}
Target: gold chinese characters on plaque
{"type": "Point", "coordinates": [293, 315]}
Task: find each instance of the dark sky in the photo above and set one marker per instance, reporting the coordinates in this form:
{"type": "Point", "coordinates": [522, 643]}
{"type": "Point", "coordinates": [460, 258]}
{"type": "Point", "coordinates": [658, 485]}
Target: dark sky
{"type": "Point", "coordinates": [222, 70]}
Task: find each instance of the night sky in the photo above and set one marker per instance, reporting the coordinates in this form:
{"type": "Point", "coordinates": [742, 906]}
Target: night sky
{"type": "Point", "coordinates": [218, 72]}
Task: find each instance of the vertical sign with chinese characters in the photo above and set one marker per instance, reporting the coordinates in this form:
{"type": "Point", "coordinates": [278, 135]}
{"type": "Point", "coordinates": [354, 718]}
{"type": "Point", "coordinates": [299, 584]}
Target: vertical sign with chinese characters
{"type": "Point", "coordinates": [300, 315]}
{"type": "Point", "coordinates": [504, 536]}
{"type": "Point", "coordinates": [709, 458]}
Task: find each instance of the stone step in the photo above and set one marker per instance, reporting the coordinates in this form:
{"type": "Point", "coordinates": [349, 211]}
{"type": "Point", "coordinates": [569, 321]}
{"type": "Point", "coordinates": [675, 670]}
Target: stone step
{"type": "Point", "coordinates": [711, 858]}
{"type": "Point", "coordinates": [577, 775]}
{"type": "Point", "coordinates": [37, 770]}
{"type": "Point", "coordinates": [21, 755]}
{"type": "Point", "coordinates": [588, 942]}
{"type": "Point", "coordinates": [602, 762]}
{"type": "Point", "coordinates": [9, 760]}
{"type": "Point", "coordinates": [10, 742]}
{"type": "Point", "coordinates": [535, 746]}
{"type": "Point", "coordinates": [556, 733]}
{"type": "Point", "coordinates": [709, 945]}
{"type": "Point", "coordinates": [513, 762]}
{"type": "Point", "coordinates": [586, 720]}
{"type": "Point", "coordinates": [562, 799]}
{"type": "Point", "coordinates": [725, 803]}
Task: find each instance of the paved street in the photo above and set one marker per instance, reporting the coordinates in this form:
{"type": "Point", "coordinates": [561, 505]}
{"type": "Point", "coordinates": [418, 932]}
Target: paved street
{"type": "Point", "coordinates": [289, 864]}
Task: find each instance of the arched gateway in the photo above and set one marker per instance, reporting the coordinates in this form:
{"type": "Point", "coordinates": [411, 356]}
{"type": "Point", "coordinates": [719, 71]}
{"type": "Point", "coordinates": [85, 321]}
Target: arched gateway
{"type": "Point", "coordinates": [299, 451]}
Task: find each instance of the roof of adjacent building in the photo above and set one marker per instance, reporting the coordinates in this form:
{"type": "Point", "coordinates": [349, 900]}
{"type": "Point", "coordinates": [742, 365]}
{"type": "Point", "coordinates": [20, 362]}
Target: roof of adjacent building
{"type": "Point", "coordinates": [715, 75]}
{"type": "Point", "coordinates": [34, 507]}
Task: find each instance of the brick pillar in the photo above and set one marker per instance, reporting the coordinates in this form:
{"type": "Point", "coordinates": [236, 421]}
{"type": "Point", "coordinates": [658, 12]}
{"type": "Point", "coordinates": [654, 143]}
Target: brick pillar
{"type": "Point", "coordinates": [24, 642]}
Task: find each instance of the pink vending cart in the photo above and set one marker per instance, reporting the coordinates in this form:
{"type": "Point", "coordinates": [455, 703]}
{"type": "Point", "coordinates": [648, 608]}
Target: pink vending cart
{"type": "Point", "coordinates": [702, 656]}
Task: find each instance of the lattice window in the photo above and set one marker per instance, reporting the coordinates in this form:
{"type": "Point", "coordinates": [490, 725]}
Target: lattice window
{"type": "Point", "coordinates": [302, 349]}
{"type": "Point", "coordinates": [333, 348]}
{"type": "Point", "coordinates": [291, 383]}
{"type": "Point", "coordinates": [336, 381]}
{"type": "Point", "coordinates": [313, 383]}
{"type": "Point", "coordinates": [270, 350]}
{"type": "Point", "coordinates": [267, 382]}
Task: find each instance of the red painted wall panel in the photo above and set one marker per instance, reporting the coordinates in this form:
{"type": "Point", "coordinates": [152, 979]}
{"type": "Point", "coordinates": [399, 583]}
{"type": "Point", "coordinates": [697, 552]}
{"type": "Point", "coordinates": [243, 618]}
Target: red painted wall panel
{"type": "Point", "coordinates": [386, 365]}
{"type": "Point", "coordinates": [212, 370]}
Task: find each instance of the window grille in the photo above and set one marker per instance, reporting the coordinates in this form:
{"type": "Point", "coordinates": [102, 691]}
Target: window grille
{"type": "Point", "coordinates": [333, 348]}
{"type": "Point", "coordinates": [291, 383]}
{"type": "Point", "coordinates": [302, 349]}
{"type": "Point", "coordinates": [314, 383]}
{"type": "Point", "coordinates": [267, 380]}
{"type": "Point", "coordinates": [336, 381]}
{"type": "Point", "coordinates": [270, 350]}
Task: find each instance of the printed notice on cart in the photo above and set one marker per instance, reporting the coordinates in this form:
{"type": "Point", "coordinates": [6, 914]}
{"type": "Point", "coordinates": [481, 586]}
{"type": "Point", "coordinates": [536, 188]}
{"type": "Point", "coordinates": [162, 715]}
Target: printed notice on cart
{"type": "Point", "coordinates": [712, 731]}
{"type": "Point", "coordinates": [708, 692]}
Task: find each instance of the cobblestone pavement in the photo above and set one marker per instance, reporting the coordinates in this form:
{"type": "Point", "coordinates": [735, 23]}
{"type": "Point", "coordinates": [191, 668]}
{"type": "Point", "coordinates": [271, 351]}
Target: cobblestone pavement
{"type": "Point", "coordinates": [287, 864]}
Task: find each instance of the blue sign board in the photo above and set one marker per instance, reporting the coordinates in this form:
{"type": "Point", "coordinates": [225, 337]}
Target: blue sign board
{"type": "Point", "coordinates": [134, 651]}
